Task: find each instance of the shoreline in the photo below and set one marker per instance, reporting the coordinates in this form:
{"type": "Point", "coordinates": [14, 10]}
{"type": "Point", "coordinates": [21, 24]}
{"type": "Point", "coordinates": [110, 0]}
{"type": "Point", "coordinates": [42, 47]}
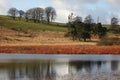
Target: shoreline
{"type": "Point", "coordinates": [61, 49]}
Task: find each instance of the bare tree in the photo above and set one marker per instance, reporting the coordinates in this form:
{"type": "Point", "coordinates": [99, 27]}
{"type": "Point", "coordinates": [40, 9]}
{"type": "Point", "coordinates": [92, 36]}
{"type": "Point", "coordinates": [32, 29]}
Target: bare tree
{"type": "Point", "coordinates": [50, 14]}
{"type": "Point", "coordinates": [21, 14]}
{"type": "Point", "coordinates": [73, 18]}
{"type": "Point", "coordinates": [35, 14]}
{"type": "Point", "coordinates": [29, 14]}
{"type": "Point", "coordinates": [53, 15]}
{"type": "Point", "coordinates": [26, 16]}
{"type": "Point", "coordinates": [88, 19]}
{"type": "Point", "coordinates": [70, 18]}
{"type": "Point", "coordinates": [78, 19]}
{"type": "Point", "coordinates": [114, 25]}
{"type": "Point", "coordinates": [13, 12]}
{"type": "Point", "coordinates": [114, 22]}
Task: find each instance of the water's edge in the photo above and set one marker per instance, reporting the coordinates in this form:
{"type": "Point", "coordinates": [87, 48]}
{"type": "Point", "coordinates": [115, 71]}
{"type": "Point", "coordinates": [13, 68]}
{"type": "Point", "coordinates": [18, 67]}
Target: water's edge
{"type": "Point", "coordinates": [8, 57]}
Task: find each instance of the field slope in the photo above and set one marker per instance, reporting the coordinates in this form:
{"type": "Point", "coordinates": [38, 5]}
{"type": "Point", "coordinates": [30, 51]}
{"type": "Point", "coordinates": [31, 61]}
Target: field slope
{"type": "Point", "coordinates": [8, 22]}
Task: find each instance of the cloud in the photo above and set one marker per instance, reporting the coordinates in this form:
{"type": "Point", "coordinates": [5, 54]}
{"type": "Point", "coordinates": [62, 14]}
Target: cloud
{"type": "Point", "coordinates": [64, 8]}
{"type": "Point", "coordinates": [114, 2]}
{"type": "Point", "coordinates": [104, 9]}
{"type": "Point", "coordinates": [78, 7]}
{"type": "Point", "coordinates": [4, 6]}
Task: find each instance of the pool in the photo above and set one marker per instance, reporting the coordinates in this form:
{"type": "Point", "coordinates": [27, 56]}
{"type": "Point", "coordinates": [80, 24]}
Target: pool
{"type": "Point", "coordinates": [59, 67]}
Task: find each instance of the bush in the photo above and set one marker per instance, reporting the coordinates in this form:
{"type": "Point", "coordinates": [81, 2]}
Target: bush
{"type": "Point", "coordinates": [109, 41]}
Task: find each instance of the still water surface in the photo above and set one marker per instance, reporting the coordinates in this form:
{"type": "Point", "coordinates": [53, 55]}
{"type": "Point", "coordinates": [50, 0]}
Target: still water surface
{"type": "Point", "coordinates": [59, 67]}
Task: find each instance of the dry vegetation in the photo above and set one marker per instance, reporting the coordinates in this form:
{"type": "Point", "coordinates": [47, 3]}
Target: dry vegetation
{"type": "Point", "coordinates": [47, 42]}
{"type": "Point", "coordinates": [15, 37]}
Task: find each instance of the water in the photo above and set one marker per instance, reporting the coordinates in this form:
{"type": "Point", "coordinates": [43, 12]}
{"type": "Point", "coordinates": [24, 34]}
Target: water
{"type": "Point", "coordinates": [59, 67]}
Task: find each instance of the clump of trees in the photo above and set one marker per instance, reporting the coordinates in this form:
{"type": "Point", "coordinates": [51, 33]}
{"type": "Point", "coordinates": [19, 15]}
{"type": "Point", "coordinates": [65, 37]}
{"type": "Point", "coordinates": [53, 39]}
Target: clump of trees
{"type": "Point", "coordinates": [34, 14]}
{"type": "Point", "coordinates": [79, 29]}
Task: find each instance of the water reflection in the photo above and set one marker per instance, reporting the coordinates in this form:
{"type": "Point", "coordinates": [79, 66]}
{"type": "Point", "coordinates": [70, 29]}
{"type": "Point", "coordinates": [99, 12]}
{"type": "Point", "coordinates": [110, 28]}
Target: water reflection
{"type": "Point", "coordinates": [55, 71]}
{"type": "Point", "coordinates": [32, 72]}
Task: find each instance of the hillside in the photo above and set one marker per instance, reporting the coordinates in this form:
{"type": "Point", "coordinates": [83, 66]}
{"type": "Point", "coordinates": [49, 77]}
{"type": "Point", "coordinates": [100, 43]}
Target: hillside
{"type": "Point", "coordinates": [16, 32]}
{"type": "Point", "coordinates": [28, 37]}
{"type": "Point", "coordinates": [8, 22]}
{"type": "Point", "coordinates": [13, 37]}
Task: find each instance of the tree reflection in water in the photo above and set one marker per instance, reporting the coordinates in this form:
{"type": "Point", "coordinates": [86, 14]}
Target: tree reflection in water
{"type": "Point", "coordinates": [94, 66]}
{"type": "Point", "coordinates": [54, 71]}
{"type": "Point", "coordinates": [32, 72]}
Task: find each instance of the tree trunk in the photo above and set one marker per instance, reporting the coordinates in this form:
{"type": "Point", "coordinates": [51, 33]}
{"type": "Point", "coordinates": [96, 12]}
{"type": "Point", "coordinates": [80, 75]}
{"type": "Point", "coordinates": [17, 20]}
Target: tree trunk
{"type": "Point", "coordinates": [84, 39]}
{"type": "Point", "coordinates": [48, 20]}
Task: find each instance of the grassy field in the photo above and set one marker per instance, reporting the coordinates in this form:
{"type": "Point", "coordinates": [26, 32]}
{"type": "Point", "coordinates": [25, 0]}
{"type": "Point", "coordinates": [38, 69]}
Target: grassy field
{"type": "Point", "coordinates": [8, 22]}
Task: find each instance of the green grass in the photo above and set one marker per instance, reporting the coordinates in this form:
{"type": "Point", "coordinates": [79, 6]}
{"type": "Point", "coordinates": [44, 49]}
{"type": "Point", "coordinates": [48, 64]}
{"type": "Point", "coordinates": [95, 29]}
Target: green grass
{"type": "Point", "coordinates": [8, 22]}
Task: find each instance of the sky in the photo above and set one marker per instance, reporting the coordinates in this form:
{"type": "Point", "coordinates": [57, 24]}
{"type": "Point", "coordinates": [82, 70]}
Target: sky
{"type": "Point", "coordinates": [104, 9]}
